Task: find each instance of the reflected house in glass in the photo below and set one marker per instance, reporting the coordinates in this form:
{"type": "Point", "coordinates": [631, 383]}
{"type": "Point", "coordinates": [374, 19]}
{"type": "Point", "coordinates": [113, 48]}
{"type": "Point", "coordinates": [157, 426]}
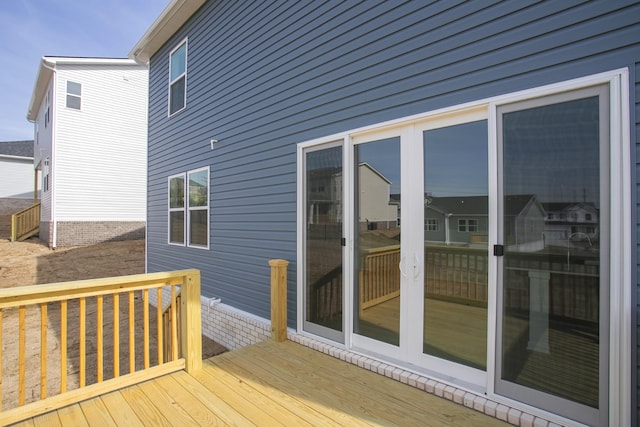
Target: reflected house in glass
{"type": "Point", "coordinates": [378, 210]}
{"type": "Point", "coordinates": [464, 221]}
{"type": "Point", "coordinates": [570, 221]}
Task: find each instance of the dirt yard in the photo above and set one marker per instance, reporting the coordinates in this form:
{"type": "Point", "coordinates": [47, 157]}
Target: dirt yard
{"type": "Point", "coordinates": [31, 262]}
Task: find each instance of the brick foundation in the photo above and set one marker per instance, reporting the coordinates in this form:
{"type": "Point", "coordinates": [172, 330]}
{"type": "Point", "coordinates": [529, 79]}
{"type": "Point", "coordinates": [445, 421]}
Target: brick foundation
{"type": "Point", "coordinates": [80, 233]}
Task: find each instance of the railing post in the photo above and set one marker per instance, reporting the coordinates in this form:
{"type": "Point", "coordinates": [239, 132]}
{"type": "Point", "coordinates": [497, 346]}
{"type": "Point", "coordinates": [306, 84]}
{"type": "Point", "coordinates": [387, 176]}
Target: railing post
{"type": "Point", "coordinates": [278, 299]}
{"type": "Point", "coordinates": [191, 322]}
{"type": "Point", "coordinates": [14, 230]}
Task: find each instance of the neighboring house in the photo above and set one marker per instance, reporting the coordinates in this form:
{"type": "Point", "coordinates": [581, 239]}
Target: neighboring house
{"type": "Point", "coordinates": [16, 170]}
{"type": "Point", "coordinates": [456, 220]}
{"type": "Point", "coordinates": [565, 221]}
{"type": "Point", "coordinates": [90, 117]}
{"type": "Point", "coordinates": [377, 209]}
{"type": "Point", "coordinates": [244, 95]}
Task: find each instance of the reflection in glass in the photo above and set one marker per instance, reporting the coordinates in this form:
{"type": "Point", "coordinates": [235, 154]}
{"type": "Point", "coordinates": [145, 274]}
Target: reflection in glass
{"type": "Point", "coordinates": [198, 227]}
{"type": "Point", "coordinates": [456, 230]}
{"type": "Point", "coordinates": [323, 238]}
{"type": "Point", "coordinates": [551, 223]}
{"type": "Point", "coordinates": [377, 294]}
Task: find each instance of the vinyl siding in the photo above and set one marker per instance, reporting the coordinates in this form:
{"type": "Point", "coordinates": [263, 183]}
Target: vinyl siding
{"type": "Point", "coordinates": [42, 150]}
{"type": "Point", "coordinates": [16, 178]}
{"type": "Point", "coordinates": [635, 137]}
{"type": "Point", "coordinates": [263, 77]}
{"type": "Point", "coordinates": [100, 150]}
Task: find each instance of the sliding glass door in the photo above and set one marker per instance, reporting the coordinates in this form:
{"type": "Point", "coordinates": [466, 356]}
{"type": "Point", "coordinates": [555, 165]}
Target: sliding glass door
{"type": "Point", "coordinates": [554, 214]}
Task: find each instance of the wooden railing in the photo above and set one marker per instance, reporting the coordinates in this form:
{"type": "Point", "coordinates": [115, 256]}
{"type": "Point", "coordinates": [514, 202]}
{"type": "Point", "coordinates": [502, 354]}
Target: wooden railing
{"type": "Point", "coordinates": [25, 223]}
{"type": "Point", "coordinates": [379, 279]}
{"type": "Point", "coordinates": [76, 340]}
{"type": "Point", "coordinates": [456, 274]}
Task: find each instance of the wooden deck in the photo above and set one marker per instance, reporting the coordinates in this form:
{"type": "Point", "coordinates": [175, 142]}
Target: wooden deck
{"type": "Point", "coordinates": [267, 384]}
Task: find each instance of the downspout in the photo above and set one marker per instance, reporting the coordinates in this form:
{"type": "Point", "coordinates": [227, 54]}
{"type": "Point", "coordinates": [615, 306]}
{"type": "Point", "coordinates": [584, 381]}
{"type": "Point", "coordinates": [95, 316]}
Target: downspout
{"type": "Point", "coordinates": [54, 239]}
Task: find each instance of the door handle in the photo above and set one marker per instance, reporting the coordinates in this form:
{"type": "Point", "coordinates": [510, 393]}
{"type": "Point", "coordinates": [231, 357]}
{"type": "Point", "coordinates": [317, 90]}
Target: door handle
{"type": "Point", "coordinates": [403, 261]}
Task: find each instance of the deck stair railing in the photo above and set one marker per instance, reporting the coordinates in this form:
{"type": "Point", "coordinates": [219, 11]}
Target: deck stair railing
{"type": "Point", "coordinates": [25, 223]}
{"type": "Point", "coordinates": [171, 325]}
{"type": "Point", "coordinates": [76, 340]}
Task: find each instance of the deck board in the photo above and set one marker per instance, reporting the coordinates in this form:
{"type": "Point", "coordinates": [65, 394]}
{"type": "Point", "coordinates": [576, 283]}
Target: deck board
{"type": "Point", "coordinates": [120, 410]}
{"type": "Point", "coordinates": [268, 384]}
{"type": "Point", "coordinates": [96, 413]}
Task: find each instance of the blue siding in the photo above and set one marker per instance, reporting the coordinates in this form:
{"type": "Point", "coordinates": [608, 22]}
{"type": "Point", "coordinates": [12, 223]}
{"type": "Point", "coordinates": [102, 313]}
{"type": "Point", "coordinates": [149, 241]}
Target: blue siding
{"type": "Point", "coordinates": [264, 76]}
{"type": "Point", "coordinates": [635, 137]}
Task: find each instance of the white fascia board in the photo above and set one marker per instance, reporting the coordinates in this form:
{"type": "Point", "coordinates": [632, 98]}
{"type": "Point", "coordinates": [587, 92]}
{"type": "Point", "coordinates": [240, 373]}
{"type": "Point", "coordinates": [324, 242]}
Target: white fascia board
{"type": "Point", "coordinates": [174, 16]}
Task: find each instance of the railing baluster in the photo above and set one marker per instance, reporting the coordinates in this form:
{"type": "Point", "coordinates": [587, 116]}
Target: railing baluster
{"type": "Point", "coordinates": [21, 354]}
{"type": "Point", "coordinates": [83, 344]}
{"type": "Point", "coordinates": [99, 343]}
{"type": "Point", "coordinates": [43, 350]}
{"type": "Point", "coordinates": [132, 336]}
{"type": "Point", "coordinates": [159, 321]}
{"type": "Point", "coordinates": [63, 346]}
{"type": "Point", "coordinates": [0, 359]}
{"type": "Point", "coordinates": [174, 327]}
{"type": "Point", "coordinates": [116, 335]}
{"type": "Point", "coordinates": [145, 327]}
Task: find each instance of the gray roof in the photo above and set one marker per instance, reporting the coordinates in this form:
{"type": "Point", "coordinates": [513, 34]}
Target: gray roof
{"type": "Point", "coordinates": [477, 205]}
{"type": "Point", "coordinates": [16, 148]}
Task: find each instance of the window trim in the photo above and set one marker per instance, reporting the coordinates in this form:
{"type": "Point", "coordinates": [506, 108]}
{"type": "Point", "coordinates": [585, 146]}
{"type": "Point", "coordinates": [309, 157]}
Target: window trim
{"type": "Point", "coordinates": [182, 209]}
{"type": "Point", "coordinates": [184, 42]}
{"type": "Point", "coordinates": [187, 209]}
{"type": "Point", "coordinates": [432, 224]}
{"type": "Point", "coordinates": [72, 95]}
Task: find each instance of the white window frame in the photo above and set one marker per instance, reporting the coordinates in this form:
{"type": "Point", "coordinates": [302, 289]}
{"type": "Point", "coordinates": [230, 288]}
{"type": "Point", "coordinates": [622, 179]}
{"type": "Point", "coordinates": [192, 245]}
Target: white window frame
{"type": "Point", "coordinates": [621, 264]}
{"type": "Point", "coordinates": [187, 209]}
{"type": "Point", "coordinates": [184, 43]}
{"type": "Point", "coordinates": [432, 224]}
{"type": "Point", "coordinates": [182, 209]}
{"type": "Point", "coordinates": [190, 208]}
{"type": "Point", "coordinates": [72, 95]}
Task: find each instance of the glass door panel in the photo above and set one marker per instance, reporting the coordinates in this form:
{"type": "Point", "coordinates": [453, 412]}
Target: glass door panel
{"type": "Point", "coordinates": [553, 297]}
{"type": "Point", "coordinates": [323, 251]}
{"type": "Point", "coordinates": [456, 234]}
{"type": "Point", "coordinates": [377, 229]}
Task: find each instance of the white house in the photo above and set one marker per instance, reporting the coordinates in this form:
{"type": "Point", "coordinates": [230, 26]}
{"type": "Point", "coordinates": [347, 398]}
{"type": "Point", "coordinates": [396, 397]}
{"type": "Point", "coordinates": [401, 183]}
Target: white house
{"type": "Point", "coordinates": [16, 170]}
{"type": "Point", "coordinates": [90, 131]}
{"type": "Point", "coordinates": [377, 209]}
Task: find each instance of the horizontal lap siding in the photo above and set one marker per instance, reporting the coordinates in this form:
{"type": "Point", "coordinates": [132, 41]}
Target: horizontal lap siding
{"type": "Point", "coordinates": [635, 137]}
{"type": "Point", "coordinates": [265, 76]}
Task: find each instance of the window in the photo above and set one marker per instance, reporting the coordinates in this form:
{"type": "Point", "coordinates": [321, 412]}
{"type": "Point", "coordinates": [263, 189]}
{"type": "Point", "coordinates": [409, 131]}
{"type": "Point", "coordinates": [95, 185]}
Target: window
{"type": "Point", "coordinates": [178, 78]}
{"type": "Point", "coordinates": [176, 209]}
{"type": "Point", "coordinates": [467, 225]}
{"type": "Point", "coordinates": [74, 91]}
{"type": "Point", "coordinates": [189, 216]}
{"type": "Point", "coordinates": [47, 117]}
{"type": "Point", "coordinates": [432, 224]}
{"type": "Point", "coordinates": [45, 176]}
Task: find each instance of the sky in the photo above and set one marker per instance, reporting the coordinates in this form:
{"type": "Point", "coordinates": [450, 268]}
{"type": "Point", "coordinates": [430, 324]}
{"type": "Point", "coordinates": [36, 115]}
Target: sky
{"type": "Point", "coordinates": [31, 29]}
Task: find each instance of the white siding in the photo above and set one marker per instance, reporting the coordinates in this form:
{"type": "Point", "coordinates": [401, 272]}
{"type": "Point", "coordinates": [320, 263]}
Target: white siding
{"type": "Point", "coordinates": [16, 178]}
{"type": "Point", "coordinates": [374, 197]}
{"type": "Point", "coordinates": [42, 150]}
{"type": "Point", "coordinates": [100, 150]}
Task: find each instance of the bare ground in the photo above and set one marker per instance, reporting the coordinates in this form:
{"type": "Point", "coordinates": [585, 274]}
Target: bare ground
{"type": "Point", "coordinates": [32, 262]}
